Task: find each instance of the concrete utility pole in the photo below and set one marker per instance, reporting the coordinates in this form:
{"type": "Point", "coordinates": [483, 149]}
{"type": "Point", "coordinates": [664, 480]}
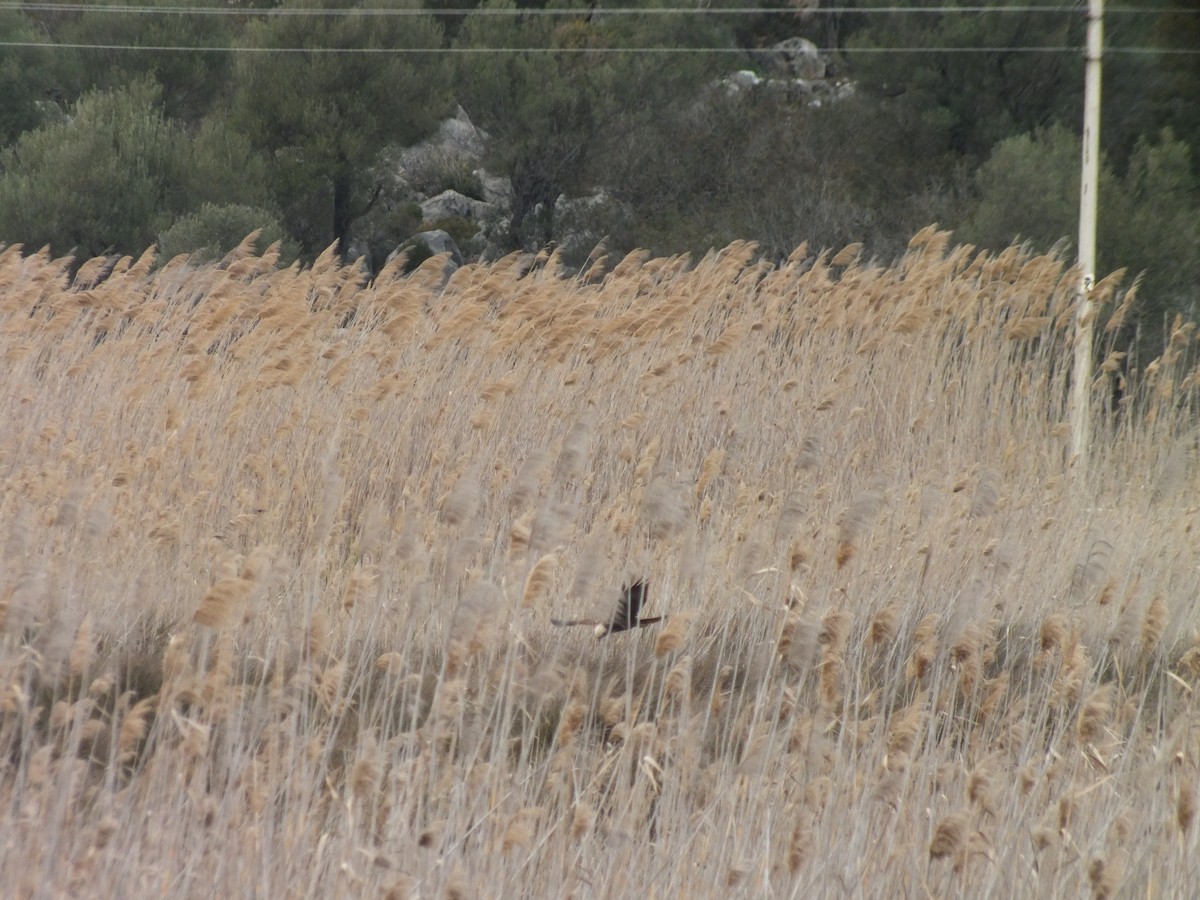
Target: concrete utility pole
{"type": "Point", "coordinates": [1085, 314]}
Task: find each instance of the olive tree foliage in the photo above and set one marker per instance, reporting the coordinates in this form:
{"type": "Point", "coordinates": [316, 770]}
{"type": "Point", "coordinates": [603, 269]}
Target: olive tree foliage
{"type": "Point", "coordinates": [192, 83]}
{"type": "Point", "coordinates": [116, 172]}
{"type": "Point", "coordinates": [761, 166]}
{"type": "Point", "coordinates": [1148, 219]}
{"type": "Point", "coordinates": [212, 231]}
{"type": "Point", "coordinates": [25, 80]}
{"type": "Point", "coordinates": [560, 114]}
{"type": "Point", "coordinates": [322, 116]}
{"type": "Point", "coordinates": [971, 100]}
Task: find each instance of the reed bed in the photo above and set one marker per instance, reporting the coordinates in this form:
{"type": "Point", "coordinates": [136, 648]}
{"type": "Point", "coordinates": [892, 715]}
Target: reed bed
{"type": "Point", "coordinates": [281, 546]}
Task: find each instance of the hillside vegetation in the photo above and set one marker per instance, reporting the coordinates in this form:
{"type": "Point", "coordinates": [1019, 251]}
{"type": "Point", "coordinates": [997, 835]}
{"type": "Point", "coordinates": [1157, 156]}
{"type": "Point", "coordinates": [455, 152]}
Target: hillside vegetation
{"type": "Point", "coordinates": [280, 549]}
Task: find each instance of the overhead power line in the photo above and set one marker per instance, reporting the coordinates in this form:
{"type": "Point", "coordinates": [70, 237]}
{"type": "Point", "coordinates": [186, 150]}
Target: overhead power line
{"type": "Point", "coordinates": [512, 12]}
{"type": "Point", "coordinates": [468, 51]}
{"type": "Point", "coordinates": [147, 48]}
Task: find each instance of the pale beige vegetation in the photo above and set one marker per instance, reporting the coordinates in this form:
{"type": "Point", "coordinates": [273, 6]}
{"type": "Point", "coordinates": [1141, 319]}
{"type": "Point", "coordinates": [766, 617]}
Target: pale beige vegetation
{"type": "Point", "coordinates": [280, 548]}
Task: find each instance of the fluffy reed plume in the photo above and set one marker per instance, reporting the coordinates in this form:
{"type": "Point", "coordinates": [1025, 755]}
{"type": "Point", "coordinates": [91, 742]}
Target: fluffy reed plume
{"type": "Point", "coordinates": [582, 817]}
{"type": "Point", "coordinates": [224, 603]}
{"type": "Point", "coordinates": [1105, 876]}
{"type": "Point", "coordinates": [714, 460]}
{"type": "Point", "coordinates": [133, 729]}
{"type": "Point", "coordinates": [317, 634]}
{"type": "Point", "coordinates": [474, 626]}
{"type": "Point", "coordinates": [1095, 714]}
{"type": "Point", "coordinates": [520, 533]}
{"type": "Point", "coordinates": [847, 255]}
{"type": "Point", "coordinates": [799, 553]}
{"type": "Point", "coordinates": [968, 655]}
{"type": "Point", "coordinates": [461, 502]}
{"type": "Point", "coordinates": [673, 635]}
{"type": "Point", "coordinates": [677, 684]}
{"type": "Point", "coordinates": [950, 836]}
{"type": "Point", "coordinates": [664, 508]}
{"type": "Point", "coordinates": [903, 732]}
{"type": "Point", "coordinates": [1153, 625]}
{"type": "Point", "coordinates": [570, 721]}
{"type": "Point", "coordinates": [982, 788]}
{"type": "Point", "coordinates": [364, 777]}
{"type": "Point", "coordinates": [882, 629]}
{"type": "Point", "coordinates": [853, 521]}
{"type": "Point", "coordinates": [521, 828]}
{"type": "Point", "coordinates": [574, 449]}
{"type": "Point", "coordinates": [645, 465]}
{"type": "Point", "coordinates": [1185, 805]}
{"type": "Point", "coordinates": [799, 640]}
{"type": "Point", "coordinates": [835, 628]}
{"type": "Point", "coordinates": [924, 649]}
{"type": "Point", "coordinates": [358, 585]}
{"type": "Point", "coordinates": [82, 650]}
{"type": "Point", "coordinates": [539, 582]}
{"type": "Point", "coordinates": [1053, 635]}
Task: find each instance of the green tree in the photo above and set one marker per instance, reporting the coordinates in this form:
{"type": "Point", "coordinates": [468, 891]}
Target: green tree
{"type": "Point", "coordinates": [116, 173]}
{"type": "Point", "coordinates": [212, 231]}
{"type": "Point", "coordinates": [558, 120]}
{"type": "Point", "coordinates": [1028, 189]}
{"type": "Point", "coordinates": [191, 82]}
{"type": "Point", "coordinates": [323, 116]}
{"type": "Point", "coordinates": [1160, 230]}
{"type": "Point", "coordinates": [1149, 220]}
{"type": "Point", "coordinates": [760, 165]}
{"type": "Point", "coordinates": [25, 79]}
{"type": "Point", "coordinates": [1145, 92]}
{"type": "Point", "coordinates": [971, 100]}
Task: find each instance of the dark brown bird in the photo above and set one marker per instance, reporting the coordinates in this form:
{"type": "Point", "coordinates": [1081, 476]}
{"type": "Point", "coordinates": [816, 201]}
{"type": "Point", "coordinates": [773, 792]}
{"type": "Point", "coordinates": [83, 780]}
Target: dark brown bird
{"type": "Point", "coordinates": [628, 613]}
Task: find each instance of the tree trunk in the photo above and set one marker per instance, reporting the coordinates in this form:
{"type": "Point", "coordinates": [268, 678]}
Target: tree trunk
{"type": "Point", "coordinates": [342, 216]}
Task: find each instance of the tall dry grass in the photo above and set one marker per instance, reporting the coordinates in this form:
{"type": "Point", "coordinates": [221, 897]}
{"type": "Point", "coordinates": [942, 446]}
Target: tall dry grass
{"type": "Point", "coordinates": [280, 548]}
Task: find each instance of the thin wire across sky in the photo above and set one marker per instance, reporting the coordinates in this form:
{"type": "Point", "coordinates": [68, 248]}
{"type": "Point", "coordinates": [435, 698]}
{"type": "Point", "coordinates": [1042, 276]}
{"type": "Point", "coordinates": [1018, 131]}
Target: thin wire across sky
{"type": "Point", "coordinates": [510, 12]}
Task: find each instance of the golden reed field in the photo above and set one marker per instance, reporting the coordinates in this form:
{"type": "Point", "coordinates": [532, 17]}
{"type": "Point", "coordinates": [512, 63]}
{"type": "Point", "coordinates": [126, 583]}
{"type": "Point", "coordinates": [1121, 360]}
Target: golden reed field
{"type": "Point", "coordinates": [281, 548]}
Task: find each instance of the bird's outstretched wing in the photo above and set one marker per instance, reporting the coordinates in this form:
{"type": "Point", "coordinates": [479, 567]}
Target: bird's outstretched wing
{"type": "Point", "coordinates": [629, 607]}
{"type": "Point", "coordinates": [627, 616]}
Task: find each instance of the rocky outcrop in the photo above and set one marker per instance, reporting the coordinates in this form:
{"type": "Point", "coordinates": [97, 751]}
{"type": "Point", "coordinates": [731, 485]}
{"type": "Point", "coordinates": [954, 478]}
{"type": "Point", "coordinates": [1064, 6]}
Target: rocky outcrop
{"type": "Point", "coordinates": [451, 204]}
{"type": "Point", "coordinates": [794, 67]}
{"type": "Point", "coordinates": [426, 244]}
{"type": "Point", "coordinates": [795, 57]}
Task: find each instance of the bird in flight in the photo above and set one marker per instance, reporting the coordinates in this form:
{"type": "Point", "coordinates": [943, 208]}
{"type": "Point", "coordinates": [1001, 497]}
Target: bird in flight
{"type": "Point", "coordinates": [628, 614]}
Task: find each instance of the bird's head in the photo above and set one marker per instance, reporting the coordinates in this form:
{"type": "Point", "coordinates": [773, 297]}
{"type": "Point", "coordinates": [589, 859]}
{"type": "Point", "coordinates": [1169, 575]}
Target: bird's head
{"type": "Point", "coordinates": [601, 631]}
